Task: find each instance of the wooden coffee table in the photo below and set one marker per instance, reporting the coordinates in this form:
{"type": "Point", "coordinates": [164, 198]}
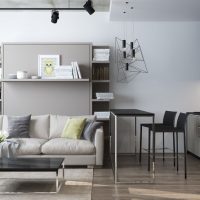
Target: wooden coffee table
{"type": "Point", "coordinates": [34, 165]}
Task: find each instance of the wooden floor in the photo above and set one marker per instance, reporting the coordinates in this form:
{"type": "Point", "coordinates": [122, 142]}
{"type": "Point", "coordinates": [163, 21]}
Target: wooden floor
{"type": "Point", "coordinates": [168, 183]}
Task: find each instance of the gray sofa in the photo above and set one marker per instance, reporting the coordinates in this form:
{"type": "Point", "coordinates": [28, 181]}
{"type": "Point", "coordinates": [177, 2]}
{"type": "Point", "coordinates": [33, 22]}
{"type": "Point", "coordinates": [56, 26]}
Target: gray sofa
{"type": "Point", "coordinates": [45, 141]}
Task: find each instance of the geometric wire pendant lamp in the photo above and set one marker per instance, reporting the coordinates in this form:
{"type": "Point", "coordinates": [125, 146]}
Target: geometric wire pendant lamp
{"type": "Point", "coordinates": [129, 60]}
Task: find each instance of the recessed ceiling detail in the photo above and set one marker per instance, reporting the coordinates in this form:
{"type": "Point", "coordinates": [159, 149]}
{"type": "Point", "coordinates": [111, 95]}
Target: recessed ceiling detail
{"type": "Point", "coordinates": [155, 10]}
{"type": "Point", "coordinates": [99, 5]}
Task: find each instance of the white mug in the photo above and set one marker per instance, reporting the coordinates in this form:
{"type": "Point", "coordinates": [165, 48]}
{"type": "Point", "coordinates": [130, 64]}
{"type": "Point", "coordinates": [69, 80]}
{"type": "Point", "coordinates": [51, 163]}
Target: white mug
{"type": "Point", "coordinates": [22, 74]}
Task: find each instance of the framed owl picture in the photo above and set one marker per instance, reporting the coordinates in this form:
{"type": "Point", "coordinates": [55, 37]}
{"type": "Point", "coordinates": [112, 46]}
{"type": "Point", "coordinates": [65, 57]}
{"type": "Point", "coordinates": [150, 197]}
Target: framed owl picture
{"type": "Point", "coordinates": [47, 65]}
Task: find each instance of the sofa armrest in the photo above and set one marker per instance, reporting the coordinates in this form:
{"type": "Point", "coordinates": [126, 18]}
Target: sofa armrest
{"type": "Point", "coordinates": [98, 142]}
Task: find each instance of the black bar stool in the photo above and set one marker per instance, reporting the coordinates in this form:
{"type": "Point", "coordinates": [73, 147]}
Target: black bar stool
{"type": "Point", "coordinates": [180, 128]}
{"type": "Point", "coordinates": [168, 122]}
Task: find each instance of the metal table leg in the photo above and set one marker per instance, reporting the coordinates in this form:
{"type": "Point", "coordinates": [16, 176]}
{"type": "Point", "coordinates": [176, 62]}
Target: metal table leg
{"type": "Point", "coordinates": [57, 182]}
{"type": "Point", "coordinates": [153, 148]}
{"type": "Point", "coordinates": [135, 135]}
{"type": "Point", "coordinates": [63, 170]}
{"type": "Point", "coordinates": [116, 175]}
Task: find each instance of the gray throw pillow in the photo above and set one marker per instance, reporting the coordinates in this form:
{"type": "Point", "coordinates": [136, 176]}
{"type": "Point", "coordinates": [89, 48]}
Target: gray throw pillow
{"type": "Point", "coordinates": [18, 126]}
{"type": "Point", "coordinates": [90, 129]}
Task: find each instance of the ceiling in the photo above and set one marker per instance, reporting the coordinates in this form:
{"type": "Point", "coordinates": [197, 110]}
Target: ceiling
{"type": "Point", "coordinates": [122, 10]}
{"type": "Point", "coordinates": [99, 5]}
{"type": "Point", "coordinates": [155, 10]}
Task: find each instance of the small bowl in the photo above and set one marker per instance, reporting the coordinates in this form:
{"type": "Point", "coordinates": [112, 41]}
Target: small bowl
{"type": "Point", "coordinates": [35, 77]}
{"type": "Point", "coordinates": [12, 76]}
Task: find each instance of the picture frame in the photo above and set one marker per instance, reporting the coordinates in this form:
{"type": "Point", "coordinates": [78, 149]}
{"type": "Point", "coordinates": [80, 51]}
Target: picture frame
{"type": "Point", "coordinates": [47, 65]}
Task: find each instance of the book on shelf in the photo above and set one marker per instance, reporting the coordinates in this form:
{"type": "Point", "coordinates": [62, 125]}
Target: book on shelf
{"type": "Point", "coordinates": [101, 54]}
{"type": "Point", "coordinates": [100, 73]}
{"type": "Point", "coordinates": [104, 95]}
{"type": "Point", "coordinates": [76, 70]}
{"type": "Point", "coordinates": [102, 115]}
{"type": "Point", "coordinates": [64, 72]}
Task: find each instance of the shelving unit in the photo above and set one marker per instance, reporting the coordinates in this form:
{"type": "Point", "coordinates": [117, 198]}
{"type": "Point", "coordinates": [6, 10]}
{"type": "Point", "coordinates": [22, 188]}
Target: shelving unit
{"type": "Point", "coordinates": [45, 80]}
{"type": "Point", "coordinates": [0, 81]}
{"type": "Point", "coordinates": [100, 100]}
{"type": "Point", "coordinates": [39, 96]}
{"type": "Point", "coordinates": [100, 82]}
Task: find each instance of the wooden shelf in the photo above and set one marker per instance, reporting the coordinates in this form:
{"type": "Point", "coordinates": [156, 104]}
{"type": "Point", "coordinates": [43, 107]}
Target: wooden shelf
{"type": "Point", "coordinates": [100, 81]}
{"type": "Point", "coordinates": [103, 119]}
{"type": "Point", "coordinates": [101, 100]}
{"type": "Point", "coordinates": [101, 62]}
{"type": "Point", "coordinates": [45, 80]}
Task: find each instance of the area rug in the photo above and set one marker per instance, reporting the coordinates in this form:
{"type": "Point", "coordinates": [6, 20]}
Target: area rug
{"type": "Point", "coordinates": [77, 185]}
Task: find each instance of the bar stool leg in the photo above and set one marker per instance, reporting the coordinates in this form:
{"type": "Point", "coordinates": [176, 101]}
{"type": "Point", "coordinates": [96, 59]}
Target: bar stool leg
{"type": "Point", "coordinates": [140, 157]}
{"type": "Point", "coordinates": [163, 146]}
{"type": "Point", "coordinates": [185, 156]}
{"type": "Point", "coordinates": [154, 151]}
{"type": "Point", "coordinates": [174, 150]}
{"type": "Point", "coordinates": [177, 151]}
{"type": "Point", "coordinates": [149, 149]}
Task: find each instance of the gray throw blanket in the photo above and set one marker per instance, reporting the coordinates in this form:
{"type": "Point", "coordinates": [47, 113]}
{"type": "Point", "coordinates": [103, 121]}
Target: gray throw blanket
{"type": "Point", "coordinates": [8, 148]}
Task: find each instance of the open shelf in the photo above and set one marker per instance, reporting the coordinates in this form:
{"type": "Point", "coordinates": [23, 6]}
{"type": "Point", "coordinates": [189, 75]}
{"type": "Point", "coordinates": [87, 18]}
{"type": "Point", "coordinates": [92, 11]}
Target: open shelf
{"type": "Point", "coordinates": [103, 119]}
{"type": "Point", "coordinates": [101, 100]}
{"type": "Point", "coordinates": [101, 62]}
{"type": "Point", "coordinates": [45, 80]}
{"type": "Point", "coordinates": [100, 81]}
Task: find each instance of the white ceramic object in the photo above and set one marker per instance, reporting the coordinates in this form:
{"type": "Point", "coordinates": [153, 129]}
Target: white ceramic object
{"type": "Point", "coordinates": [35, 77]}
{"type": "Point", "coordinates": [22, 74]}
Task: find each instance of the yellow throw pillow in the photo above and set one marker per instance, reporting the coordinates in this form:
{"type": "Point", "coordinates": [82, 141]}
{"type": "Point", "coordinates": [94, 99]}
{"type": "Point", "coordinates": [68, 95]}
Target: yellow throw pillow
{"type": "Point", "coordinates": [73, 128]}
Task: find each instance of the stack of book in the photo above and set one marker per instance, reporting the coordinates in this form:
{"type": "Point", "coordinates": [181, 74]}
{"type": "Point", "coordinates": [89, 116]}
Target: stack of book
{"type": "Point", "coordinates": [101, 54]}
{"type": "Point", "coordinates": [64, 72]}
{"type": "Point", "coordinates": [76, 70]}
{"type": "Point", "coordinates": [68, 72]}
{"type": "Point", "coordinates": [102, 115]}
{"type": "Point", "coordinates": [104, 95]}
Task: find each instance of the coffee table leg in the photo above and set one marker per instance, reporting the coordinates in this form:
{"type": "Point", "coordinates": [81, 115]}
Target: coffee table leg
{"type": "Point", "coordinates": [63, 170]}
{"type": "Point", "coordinates": [57, 181]}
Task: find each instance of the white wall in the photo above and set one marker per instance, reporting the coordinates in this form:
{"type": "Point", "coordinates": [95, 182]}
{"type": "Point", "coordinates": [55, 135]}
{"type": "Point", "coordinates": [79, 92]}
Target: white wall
{"type": "Point", "coordinates": [171, 50]}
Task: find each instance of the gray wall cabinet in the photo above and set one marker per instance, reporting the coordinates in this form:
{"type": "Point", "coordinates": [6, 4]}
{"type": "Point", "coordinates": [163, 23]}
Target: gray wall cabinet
{"type": "Point", "coordinates": [43, 97]}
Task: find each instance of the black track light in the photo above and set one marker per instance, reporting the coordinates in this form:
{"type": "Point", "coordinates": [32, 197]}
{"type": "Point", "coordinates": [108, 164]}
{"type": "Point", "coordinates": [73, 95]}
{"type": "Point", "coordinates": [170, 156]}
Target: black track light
{"type": "Point", "coordinates": [88, 7]}
{"type": "Point", "coordinates": [127, 67]}
{"type": "Point", "coordinates": [54, 16]}
{"type": "Point", "coordinates": [124, 54]}
{"type": "Point", "coordinates": [131, 45]}
{"type": "Point", "coordinates": [123, 44]}
{"type": "Point", "coordinates": [133, 53]}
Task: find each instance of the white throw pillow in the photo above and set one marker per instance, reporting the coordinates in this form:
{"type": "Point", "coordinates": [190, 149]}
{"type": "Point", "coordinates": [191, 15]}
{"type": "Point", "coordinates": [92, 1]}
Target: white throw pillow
{"type": "Point", "coordinates": [39, 126]}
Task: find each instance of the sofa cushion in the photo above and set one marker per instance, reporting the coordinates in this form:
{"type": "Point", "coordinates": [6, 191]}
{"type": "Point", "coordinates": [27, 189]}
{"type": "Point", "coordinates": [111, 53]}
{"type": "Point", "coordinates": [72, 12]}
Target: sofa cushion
{"type": "Point", "coordinates": [18, 126]}
{"type": "Point", "coordinates": [57, 124]}
{"type": "Point", "coordinates": [63, 146]}
{"type": "Point", "coordinates": [5, 123]}
{"type": "Point", "coordinates": [39, 127]}
{"type": "Point", "coordinates": [90, 129]}
{"type": "Point", "coordinates": [73, 128]}
{"type": "Point", "coordinates": [1, 122]}
{"type": "Point", "coordinates": [29, 146]}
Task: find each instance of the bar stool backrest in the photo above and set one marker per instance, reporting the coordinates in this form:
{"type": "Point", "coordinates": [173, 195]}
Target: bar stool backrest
{"type": "Point", "coordinates": [181, 121]}
{"type": "Point", "coordinates": [169, 118]}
